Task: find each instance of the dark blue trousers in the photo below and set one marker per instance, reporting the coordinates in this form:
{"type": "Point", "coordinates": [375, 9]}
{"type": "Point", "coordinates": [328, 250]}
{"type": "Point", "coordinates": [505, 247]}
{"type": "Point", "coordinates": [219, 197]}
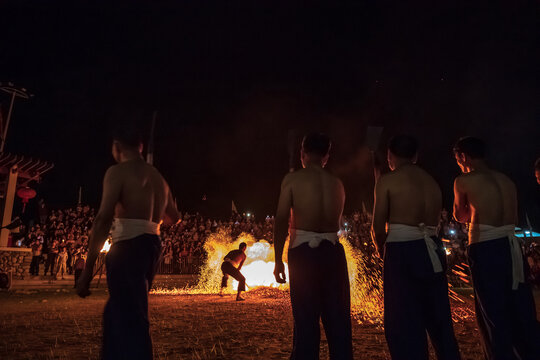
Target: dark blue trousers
{"type": "Point", "coordinates": [506, 318]}
{"type": "Point", "coordinates": [415, 303]}
{"type": "Point", "coordinates": [131, 266]}
{"type": "Point", "coordinates": [319, 285]}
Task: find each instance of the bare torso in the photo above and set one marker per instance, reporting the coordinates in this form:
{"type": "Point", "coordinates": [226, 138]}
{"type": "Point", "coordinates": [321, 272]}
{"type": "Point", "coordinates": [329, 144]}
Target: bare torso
{"type": "Point", "coordinates": [318, 198]}
{"type": "Point", "coordinates": [414, 197]}
{"type": "Point", "coordinates": [491, 198]}
{"type": "Point", "coordinates": [144, 192]}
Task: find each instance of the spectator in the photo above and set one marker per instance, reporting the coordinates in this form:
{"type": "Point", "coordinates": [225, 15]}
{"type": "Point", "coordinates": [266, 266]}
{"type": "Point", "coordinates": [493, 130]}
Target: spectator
{"type": "Point", "coordinates": [62, 262]}
{"type": "Point", "coordinates": [79, 265]}
{"type": "Point", "coordinates": [36, 257]}
{"type": "Point", "coordinates": [52, 258]}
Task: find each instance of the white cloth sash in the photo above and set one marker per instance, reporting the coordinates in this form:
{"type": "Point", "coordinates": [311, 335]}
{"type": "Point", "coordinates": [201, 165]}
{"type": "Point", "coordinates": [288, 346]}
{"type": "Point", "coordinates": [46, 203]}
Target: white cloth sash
{"type": "Point", "coordinates": [126, 229]}
{"type": "Point", "coordinates": [404, 233]}
{"type": "Point", "coordinates": [314, 239]}
{"type": "Point", "coordinates": [488, 232]}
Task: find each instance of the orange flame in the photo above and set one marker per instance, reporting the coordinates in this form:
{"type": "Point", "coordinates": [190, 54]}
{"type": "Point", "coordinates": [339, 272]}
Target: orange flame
{"type": "Point", "coordinates": [106, 245]}
{"type": "Point", "coordinates": [364, 273]}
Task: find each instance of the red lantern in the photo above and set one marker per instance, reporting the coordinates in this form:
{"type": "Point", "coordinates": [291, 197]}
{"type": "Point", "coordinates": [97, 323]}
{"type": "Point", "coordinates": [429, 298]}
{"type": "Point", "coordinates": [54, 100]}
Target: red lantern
{"type": "Point", "coordinates": [26, 193]}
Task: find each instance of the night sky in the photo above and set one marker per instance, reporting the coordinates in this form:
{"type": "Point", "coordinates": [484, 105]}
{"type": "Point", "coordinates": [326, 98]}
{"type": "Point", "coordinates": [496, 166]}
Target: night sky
{"type": "Point", "coordinates": [230, 80]}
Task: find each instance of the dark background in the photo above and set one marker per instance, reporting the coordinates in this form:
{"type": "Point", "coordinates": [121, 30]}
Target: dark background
{"type": "Point", "coordinates": [230, 80]}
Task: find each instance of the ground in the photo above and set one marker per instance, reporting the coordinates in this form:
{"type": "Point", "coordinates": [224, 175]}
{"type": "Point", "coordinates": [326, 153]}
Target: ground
{"type": "Point", "coordinates": [56, 324]}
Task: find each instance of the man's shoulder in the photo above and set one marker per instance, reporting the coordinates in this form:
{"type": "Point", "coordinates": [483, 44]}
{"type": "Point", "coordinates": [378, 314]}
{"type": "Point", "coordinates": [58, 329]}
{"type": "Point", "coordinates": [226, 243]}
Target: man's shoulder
{"type": "Point", "coordinates": [114, 170]}
{"type": "Point", "coordinates": [464, 178]}
{"type": "Point", "coordinates": [388, 178]}
{"type": "Point", "coordinates": [502, 176]}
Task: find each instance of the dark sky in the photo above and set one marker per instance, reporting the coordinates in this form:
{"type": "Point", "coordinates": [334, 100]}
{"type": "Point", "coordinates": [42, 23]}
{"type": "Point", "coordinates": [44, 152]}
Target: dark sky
{"type": "Point", "coordinates": [230, 80]}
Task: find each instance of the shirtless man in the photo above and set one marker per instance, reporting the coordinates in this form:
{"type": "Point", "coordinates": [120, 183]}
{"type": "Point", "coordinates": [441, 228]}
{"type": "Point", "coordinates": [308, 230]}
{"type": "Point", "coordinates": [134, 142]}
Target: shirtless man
{"type": "Point", "coordinates": [312, 199]}
{"type": "Point", "coordinates": [408, 203]}
{"type": "Point", "coordinates": [136, 199]}
{"type": "Point", "coordinates": [505, 309]}
{"type": "Point", "coordinates": [232, 264]}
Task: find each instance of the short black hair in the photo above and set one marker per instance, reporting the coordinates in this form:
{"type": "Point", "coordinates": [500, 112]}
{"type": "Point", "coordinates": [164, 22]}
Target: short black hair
{"type": "Point", "coordinates": [127, 124]}
{"type": "Point", "coordinates": [128, 136]}
{"type": "Point", "coordinates": [471, 146]}
{"type": "Point", "coordinates": [317, 144]}
{"type": "Point", "coordinates": [403, 146]}
{"type": "Point", "coordinates": [242, 245]}
{"type": "Point", "coordinates": [537, 165]}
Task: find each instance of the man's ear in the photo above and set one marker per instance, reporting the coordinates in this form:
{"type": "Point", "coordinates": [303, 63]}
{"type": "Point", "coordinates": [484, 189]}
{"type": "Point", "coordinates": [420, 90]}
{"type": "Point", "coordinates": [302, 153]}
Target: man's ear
{"type": "Point", "coordinates": [415, 158]}
{"type": "Point", "coordinates": [325, 159]}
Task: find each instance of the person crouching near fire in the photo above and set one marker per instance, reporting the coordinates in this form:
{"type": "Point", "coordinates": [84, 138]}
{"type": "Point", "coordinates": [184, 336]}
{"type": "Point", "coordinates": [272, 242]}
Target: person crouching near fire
{"type": "Point", "coordinates": [232, 263]}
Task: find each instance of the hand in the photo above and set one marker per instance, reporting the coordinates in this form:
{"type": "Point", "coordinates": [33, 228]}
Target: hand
{"type": "Point", "coordinates": [83, 284]}
{"type": "Point", "coordinates": [279, 272]}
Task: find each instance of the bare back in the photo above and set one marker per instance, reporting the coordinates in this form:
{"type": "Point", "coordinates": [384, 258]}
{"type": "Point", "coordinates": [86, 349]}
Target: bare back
{"type": "Point", "coordinates": [143, 193]}
{"type": "Point", "coordinates": [491, 197]}
{"type": "Point", "coordinates": [414, 197]}
{"type": "Point", "coordinates": [318, 198]}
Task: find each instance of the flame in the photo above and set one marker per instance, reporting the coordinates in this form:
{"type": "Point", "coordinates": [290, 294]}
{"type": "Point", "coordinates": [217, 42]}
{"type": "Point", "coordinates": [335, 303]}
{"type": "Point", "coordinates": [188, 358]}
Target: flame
{"type": "Point", "coordinates": [364, 267]}
{"type": "Point", "coordinates": [106, 245]}
{"type": "Point", "coordinates": [258, 268]}
{"type": "Point", "coordinates": [364, 273]}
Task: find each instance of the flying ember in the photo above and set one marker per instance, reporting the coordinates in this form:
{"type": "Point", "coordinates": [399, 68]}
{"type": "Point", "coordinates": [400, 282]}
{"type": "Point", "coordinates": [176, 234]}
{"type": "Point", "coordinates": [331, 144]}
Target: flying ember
{"type": "Point", "coordinates": [364, 273]}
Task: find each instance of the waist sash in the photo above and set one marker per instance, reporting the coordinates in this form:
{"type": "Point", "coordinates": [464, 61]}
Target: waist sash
{"type": "Point", "coordinates": [125, 229]}
{"type": "Point", "coordinates": [404, 233]}
{"type": "Point", "coordinates": [314, 239]}
{"type": "Point", "coordinates": [488, 233]}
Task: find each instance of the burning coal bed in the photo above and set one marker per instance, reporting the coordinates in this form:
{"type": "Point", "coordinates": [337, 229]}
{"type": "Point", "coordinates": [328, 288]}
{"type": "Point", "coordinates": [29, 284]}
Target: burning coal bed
{"type": "Point", "coordinates": [365, 276]}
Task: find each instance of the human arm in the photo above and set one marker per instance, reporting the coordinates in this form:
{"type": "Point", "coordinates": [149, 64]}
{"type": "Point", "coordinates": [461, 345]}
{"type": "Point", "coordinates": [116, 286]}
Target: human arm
{"type": "Point", "coordinates": [380, 215]}
{"type": "Point", "coordinates": [462, 212]}
{"type": "Point", "coordinates": [281, 227]}
{"type": "Point", "coordinates": [241, 263]}
{"type": "Point", "coordinates": [112, 187]}
{"type": "Point", "coordinates": [171, 216]}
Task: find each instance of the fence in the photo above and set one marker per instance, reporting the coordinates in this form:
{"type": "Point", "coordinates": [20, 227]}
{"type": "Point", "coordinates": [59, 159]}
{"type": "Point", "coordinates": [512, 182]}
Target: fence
{"type": "Point", "coordinates": [181, 266]}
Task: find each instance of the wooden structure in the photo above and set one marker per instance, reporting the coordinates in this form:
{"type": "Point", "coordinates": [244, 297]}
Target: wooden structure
{"type": "Point", "coordinates": [16, 171]}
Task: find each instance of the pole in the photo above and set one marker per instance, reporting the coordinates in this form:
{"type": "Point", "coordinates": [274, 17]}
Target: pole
{"type": "Point", "coordinates": [5, 129]}
{"type": "Point", "coordinates": [150, 152]}
{"type": "Point", "coordinates": [291, 147]}
{"type": "Point", "coordinates": [8, 204]}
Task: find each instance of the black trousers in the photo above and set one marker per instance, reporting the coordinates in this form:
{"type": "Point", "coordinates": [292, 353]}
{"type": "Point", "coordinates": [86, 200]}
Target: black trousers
{"type": "Point", "coordinates": [34, 265]}
{"type": "Point", "coordinates": [320, 289]}
{"type": "Point", "coordinates": [131, 266]}
{"type": "Point", "coordinates": [50, 263]}
{"type": "Point", "coordinates": [228, 269]}
{"type": "Point", "coordinates": [506, 318]}
{"type": "Point", "coordinates": [77, 275]}
{"type": "Point", "coordinates": [416, 302]}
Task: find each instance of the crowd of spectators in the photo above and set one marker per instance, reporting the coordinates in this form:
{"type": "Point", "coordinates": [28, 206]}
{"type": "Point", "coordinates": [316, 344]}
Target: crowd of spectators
{"type": "Point", "coordinates": [59, 241]}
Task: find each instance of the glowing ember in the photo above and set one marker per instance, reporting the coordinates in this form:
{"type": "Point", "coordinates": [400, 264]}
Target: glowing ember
{"type": "Point", "coordinates": [365, 276]}
{"type": "Point", "coordinates": [364, 273]}
{"type": "Point", "coordinates": [106, 245]}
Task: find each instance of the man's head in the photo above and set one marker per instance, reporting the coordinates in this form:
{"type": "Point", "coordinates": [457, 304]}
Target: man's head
{"type": "Point", "coordinates": [467, 150]}
{"type": "Point", "coordinates": [315, 149]}
{"type": "Point", "coordinates": [402, 149]}
{"type": "Point", "coordinates": [537, 170]}
{"type": "Point", "coordinates": [242, 246]}
{"type": "Point", "coordinates": [127, 142]}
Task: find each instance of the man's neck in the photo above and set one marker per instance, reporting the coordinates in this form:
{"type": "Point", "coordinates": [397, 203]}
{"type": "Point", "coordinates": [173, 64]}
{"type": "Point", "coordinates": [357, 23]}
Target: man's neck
{"type": "Point", "coordinates": [313, 165]}
{"type": "Point", "coordinates": [403, 163]}
{"type": "Point", "coordinates": [478, 165]}
{"type": "Point", "coordinates": [130, 157]}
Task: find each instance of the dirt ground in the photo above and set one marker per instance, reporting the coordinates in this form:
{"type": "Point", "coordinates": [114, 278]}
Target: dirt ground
{"type": "Point", "coordinates": [56, 324]}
